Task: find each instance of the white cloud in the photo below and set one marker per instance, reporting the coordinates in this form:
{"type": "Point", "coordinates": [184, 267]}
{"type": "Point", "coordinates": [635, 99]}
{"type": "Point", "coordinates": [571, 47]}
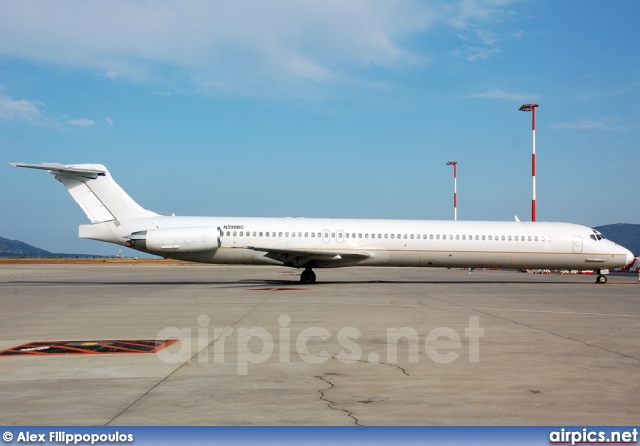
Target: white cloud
{"type": "Point", "coordinates": [505, 95]}
{"type": "Point", "coordinates": [20, 109]}
{"type": "Point", "coordinates": [588, 124]}
{"type": "Point", "coordinates": [470, 17]}
{"type": "Point", "coordinates": [81, 122]}
{"type": "Point", "coordinates": [239, 46]}
{"type": "Point", "coordinates": [111, 74]}
{"type": "Point", "coordinates": [467, 13]}
{"type": "Point", "coordinates": [109, 121]}
{"type": "Point", "coordinates": [472, 53]}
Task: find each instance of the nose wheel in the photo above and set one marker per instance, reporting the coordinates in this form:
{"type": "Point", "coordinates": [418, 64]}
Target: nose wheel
{"type": "Point", "coordinates": [601, 279]}
{"type": "Point", "coordinates": [308, 277]}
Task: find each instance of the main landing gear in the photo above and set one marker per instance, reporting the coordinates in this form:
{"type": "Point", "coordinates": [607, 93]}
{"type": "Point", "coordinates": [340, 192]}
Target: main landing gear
{"type": "Point", "coordinates": [308, 276]}
{"type": "Point", "coordinates": [601, 278]}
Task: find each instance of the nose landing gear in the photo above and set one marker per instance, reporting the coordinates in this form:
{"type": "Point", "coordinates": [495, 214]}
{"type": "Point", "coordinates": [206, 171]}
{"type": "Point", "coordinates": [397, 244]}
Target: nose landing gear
{"type": "Point", "coordinates": [601, 277]}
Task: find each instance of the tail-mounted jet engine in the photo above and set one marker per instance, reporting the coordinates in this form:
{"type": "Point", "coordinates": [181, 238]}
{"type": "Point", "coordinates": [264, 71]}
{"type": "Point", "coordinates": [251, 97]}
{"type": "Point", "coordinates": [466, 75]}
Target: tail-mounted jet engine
{"type": "Point", "coordinates": [204, 238]}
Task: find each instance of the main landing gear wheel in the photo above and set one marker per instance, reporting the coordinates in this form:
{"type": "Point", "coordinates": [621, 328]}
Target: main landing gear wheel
{"type": "Point", "coordinates": [601, 279]}
{"type": "Point", "coordinates": [308, 276]}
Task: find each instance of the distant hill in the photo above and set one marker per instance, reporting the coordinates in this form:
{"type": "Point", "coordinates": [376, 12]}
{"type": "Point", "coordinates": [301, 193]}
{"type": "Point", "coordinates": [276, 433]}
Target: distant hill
{"type": "Point", "coordinates": [16, 248]}
{"type": "Point", "coordinates": [624, 234]}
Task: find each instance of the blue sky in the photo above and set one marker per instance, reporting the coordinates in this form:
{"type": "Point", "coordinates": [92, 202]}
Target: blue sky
{"type": "Point", "coordinates": [320, 109]}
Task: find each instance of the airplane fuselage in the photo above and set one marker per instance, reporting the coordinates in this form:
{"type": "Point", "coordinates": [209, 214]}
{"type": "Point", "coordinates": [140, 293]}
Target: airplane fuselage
{"type": "Point", "coordinates": [428, 243]}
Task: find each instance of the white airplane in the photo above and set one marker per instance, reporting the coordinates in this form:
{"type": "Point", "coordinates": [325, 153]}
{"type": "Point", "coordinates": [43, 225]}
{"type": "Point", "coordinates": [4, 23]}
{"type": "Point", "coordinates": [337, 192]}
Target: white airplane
{"type": "Point", "coordinates": [327, 242]}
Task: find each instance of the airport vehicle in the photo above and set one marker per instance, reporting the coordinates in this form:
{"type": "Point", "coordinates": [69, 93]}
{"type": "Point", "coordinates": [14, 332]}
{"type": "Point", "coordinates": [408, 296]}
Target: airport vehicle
{"type": "Point", "coordinates": [313, 243]}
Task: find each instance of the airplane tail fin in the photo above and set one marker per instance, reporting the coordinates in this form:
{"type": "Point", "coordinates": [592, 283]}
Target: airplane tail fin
{"type": "Point", "coordinates": [95, 191]}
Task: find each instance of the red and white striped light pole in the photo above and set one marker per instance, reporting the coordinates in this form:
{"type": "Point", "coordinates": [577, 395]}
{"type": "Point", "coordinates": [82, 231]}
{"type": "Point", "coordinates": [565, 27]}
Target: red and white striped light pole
{"type": "Point", "coordinates": [532, 109]}
{"type": "Point", "coordinates": [455, 188]}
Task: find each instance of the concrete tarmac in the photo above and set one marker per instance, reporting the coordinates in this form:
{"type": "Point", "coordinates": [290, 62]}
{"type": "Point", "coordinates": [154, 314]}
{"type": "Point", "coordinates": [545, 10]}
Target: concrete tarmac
{"type": "Point", "coordinates": [364, 346]}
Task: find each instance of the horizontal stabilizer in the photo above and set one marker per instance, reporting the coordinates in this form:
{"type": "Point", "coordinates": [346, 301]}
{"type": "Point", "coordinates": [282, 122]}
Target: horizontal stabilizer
{"type": "Point", "coordinates": [57, 167]}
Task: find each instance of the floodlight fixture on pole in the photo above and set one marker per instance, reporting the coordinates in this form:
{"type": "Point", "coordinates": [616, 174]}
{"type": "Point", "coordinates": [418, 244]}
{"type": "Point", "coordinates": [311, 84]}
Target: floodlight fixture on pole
{"type": "Point", "coordinates": [455, 188]}
{"type": "Point", "coordinates": [532, 109]}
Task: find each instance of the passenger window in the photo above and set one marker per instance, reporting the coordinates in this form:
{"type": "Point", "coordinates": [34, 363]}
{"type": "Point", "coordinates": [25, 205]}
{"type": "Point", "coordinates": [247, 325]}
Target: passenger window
{"type": "Point", "coordinates": [503, 238]}
{"type": "Point", "coordinates": [431, 237]}
{"type": "Point", "coordinates": [411, 236]}
{"type": "Point", "coordinates": [516, 238]}
{"type": "Point", "coordinates": [464, 237]}
{"type": "Point", "coordinates": [286, 234]}
{"type": "Point", "coordinates": [346, 235]}
{"type": "Point", "coordinates": [483, 237]}
{"type": "Point", "coordinates": [359, 235]}
{"type": "Point", "coordinates": [366, 236]}
{"type": "Point", "coordinates": [386, 236]}
{"type": "Point", "coordinates": [266, 234]}
{"type": "Point", "coordinates": [450, 237]}
{"type": "Point", "coordinates": [393, 236]}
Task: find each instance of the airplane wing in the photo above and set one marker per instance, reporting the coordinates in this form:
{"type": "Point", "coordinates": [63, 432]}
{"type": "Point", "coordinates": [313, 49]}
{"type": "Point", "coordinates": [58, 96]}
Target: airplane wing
{"type": "Point", "coordinates": [300, 257]}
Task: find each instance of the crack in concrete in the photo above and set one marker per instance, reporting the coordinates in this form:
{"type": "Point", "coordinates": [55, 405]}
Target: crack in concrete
{"type": "Point", "coordinates": [376, 362]}
{"type": "Point", "coordinates": [331, 404]}
{"type": "Point", "coordinates": [390, 365]}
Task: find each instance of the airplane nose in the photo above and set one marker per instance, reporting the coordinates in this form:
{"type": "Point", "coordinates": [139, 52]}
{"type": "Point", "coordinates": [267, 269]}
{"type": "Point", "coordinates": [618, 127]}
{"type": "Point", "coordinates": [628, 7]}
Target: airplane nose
{"type": "Point", "coordinates": [630, 257]}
